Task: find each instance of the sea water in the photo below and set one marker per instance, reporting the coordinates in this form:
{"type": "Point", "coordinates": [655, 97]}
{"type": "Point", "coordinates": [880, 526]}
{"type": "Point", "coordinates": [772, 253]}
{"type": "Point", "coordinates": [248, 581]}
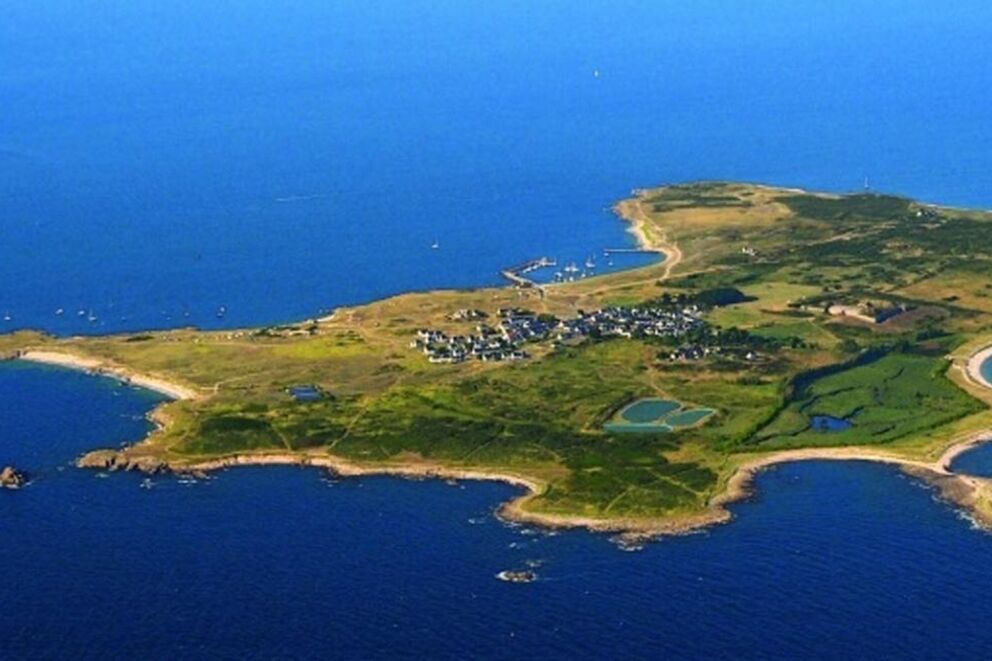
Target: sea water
{"type": "Point", "coordinates": [225, 165]}
{"type": "Point", "coordinates": [214, 165]}
{"type": "Point", "coordinates": [829, 559]}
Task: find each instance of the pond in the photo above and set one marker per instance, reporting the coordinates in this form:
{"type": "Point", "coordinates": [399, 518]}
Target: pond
{"type": "Point", "coordinates": [649, 410]}
{"type": "Point", "coordinates": [688, 417]}
{"type": "Point", "coordinates": [305, 393]}
{"type": "Point", "coordinates": [656, 415]}
{"type": "Point", "coordinates": [828, 423]}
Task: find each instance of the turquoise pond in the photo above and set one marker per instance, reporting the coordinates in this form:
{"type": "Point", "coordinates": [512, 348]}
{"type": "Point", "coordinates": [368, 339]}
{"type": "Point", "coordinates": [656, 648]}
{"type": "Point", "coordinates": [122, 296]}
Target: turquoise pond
{"type": "Point", "coordinates": [688, 418]}
{"type": "Point", "coordinates": [656, 415]}
{"type": "Point", "coordinates": [649, 410]}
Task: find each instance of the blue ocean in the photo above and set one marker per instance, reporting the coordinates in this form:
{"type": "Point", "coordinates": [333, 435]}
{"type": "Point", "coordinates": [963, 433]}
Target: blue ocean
{"type": "Point", "coordinates": [229, 164]}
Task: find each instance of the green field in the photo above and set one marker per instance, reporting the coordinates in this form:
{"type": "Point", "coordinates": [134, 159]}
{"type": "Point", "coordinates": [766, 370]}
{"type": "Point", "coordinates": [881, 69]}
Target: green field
{"type": "Point", "coordinates": [887, 399]}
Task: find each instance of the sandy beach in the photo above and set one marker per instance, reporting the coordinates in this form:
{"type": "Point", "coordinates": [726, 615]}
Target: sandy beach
{"type": "Point", "coordinates": [632, 211]}
{"type": "Point", "coordinates": [974, 367]}
{"type": "Point", "coordinates": [165, 387]}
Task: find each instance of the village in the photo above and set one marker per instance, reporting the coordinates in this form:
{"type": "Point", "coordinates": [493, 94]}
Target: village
{"type": "Point", "coordinates": [516, 327]}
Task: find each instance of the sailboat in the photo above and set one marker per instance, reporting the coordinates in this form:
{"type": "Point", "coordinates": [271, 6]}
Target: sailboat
{"type": "Point", "coordinates": [435, 245]}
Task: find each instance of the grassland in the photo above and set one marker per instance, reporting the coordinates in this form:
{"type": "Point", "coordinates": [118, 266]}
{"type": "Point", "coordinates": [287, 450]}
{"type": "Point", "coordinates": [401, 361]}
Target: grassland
{"type": "Point", "coordinates": [540, 422]}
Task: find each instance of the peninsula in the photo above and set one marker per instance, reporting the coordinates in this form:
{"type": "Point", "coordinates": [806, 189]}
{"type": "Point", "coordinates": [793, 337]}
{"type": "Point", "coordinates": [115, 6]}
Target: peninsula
{"type": "Point", "coordinates": [783, 325]}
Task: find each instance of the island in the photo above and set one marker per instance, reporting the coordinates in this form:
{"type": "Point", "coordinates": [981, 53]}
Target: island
{"type": "Point", "coordinates": [781, 325]}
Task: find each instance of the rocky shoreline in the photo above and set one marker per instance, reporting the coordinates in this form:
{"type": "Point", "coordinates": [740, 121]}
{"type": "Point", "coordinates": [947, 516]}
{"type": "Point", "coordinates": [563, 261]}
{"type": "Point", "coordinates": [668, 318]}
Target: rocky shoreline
{"type": "Point", "coordinates": [971, 494]}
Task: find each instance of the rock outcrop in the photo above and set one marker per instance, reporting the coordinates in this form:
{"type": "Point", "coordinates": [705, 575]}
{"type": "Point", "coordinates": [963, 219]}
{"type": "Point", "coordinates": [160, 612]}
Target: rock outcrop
{"type": "Point", "coordinates": [511, 576]}
{"type": "Point", "coordinates": [11, 478]}
{"type": "Point", "coordinates": [113, 461]}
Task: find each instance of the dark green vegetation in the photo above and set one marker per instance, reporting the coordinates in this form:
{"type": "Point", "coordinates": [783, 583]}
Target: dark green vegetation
{"type": "Point", "coordinates": [865, 206]}
{"type": "Point", "coordinates": [885, 399]}
{"type": "Point", "coordinates": [521, 416]}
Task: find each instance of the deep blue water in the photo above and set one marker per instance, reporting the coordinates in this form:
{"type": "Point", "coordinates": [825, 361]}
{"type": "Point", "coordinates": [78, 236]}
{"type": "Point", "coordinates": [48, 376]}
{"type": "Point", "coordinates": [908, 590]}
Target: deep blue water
{"type": "Point", "coordinates": [158, 161]}
{"type": "Point", "coordinates": [830, 560]}
{"type": "Point", "coordinates": [161, 161]}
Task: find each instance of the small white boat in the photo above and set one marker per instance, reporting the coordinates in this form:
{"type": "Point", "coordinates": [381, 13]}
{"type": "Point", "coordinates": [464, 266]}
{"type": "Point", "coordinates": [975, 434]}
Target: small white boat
{"type": "Point", "coordinates": [59, 312]}
{"type": "Point", "coordinates": [7, 317]}
{"type": "Point", "coordinates": [435, 245]}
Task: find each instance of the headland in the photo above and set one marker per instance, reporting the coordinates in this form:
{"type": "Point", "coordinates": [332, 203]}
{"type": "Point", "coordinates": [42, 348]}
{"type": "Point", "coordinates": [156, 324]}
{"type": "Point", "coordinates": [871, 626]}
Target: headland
{"type": "Point", "coordinates": [519, 383]}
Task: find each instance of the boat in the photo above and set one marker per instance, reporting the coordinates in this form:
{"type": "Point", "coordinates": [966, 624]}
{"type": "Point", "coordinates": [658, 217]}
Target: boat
{"type": "Point", "coordinates": [435, 245]}
{"type": "Point", "coordinates": [590, 264]}
{"type": "Point", "coordinates": [7, 317]}
{"type": "Point", "coordinates": [59, 312]}
{"type": "Point", "coordinates": [221, 311]}
{"type": "Point", "coordinates": [571, 268]}
{"type": "Point", "coordinates": [81, 313]}
{"type": "Point", "coordinates": [91, 318]}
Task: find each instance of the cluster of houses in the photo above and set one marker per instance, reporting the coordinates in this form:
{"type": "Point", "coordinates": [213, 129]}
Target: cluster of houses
{"type": "Point", "coordinates": [691, 352]}
{"type": "Point", "coordinates": [517, 327]}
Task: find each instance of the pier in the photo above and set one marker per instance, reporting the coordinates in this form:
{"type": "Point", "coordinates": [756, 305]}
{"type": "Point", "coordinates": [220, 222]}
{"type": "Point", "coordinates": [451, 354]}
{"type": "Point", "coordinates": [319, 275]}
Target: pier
{"type": "Point", "coordinates": [516, 274]}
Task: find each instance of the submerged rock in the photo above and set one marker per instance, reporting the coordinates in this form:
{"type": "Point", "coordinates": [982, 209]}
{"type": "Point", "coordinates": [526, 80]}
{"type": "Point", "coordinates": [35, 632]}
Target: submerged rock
{"type": "Point", "coordinates": [11, 478]}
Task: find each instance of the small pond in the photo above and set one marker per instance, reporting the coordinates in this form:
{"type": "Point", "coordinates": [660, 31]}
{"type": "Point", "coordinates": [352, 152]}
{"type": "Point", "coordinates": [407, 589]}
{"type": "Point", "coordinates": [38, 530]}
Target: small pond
{"type": "Point", "coordinates": [305, 393]}
{"type": "Point", "coordinates": [828, 423]}
{"type": "Point", "coordinates": [648, 410]}
{"type": "Point", "coordinates": [688, 417]}
{"type": "Point", "coordinates": [656, 415]}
